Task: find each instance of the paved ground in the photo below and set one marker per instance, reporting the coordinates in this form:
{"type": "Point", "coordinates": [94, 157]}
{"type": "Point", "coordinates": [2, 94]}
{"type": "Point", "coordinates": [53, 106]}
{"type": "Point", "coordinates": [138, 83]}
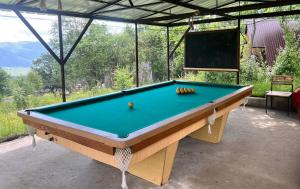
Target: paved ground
{"type": "Point", "coordinates": [257, 151]}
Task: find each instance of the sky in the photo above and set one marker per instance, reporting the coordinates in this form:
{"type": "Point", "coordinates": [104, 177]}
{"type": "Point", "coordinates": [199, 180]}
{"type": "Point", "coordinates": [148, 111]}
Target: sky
{"type": "Point", "coordinates": [13, 29]}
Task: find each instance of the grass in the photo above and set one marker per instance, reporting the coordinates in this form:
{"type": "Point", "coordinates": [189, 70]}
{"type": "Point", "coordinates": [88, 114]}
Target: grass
{"type": "Point", "coordinates": [11, 125]}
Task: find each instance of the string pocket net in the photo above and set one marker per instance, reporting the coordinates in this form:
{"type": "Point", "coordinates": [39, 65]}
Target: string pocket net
{"type": "Point", "coordinates": [123, 159]}
{"type": "Point", "coordinates": [211, 121]}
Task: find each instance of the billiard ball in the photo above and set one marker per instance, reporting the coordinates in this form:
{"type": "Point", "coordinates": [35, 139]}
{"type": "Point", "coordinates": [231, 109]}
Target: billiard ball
{"type": "Point", "coordinates": [130, 105]}
{"type": "Point", "coordinates": [178, 90]}
{"type": "Point", "coordinates": [189, 90]}
{"type": "Point", "coordinates": [181, 91]}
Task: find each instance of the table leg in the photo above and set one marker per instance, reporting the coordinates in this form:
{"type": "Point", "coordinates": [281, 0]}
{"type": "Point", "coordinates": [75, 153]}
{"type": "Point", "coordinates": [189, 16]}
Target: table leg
{"type": "Point", "coordinates": [271, 101]}
{"type": "Point", "coordinates": [266, 104]}
{"type": "Point", "coordinates": [156, 168]}
{"type": "Point", "coordinates": [217, 131]}
{"type": "Point", "coordinates": [289, 108]}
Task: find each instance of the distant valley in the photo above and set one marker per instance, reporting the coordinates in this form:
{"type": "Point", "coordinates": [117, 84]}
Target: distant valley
{"type": "Point", "coordinates": [16, 58]}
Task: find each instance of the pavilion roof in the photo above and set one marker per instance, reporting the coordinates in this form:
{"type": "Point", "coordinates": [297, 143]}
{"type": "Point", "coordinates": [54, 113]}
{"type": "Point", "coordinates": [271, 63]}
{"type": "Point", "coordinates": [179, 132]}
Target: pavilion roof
{"type": "Point", "coordinates": [154, 12]}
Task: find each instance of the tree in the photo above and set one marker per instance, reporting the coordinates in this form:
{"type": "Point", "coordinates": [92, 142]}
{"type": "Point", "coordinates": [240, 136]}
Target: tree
{"type": "Point", "coordinates": [178, 57]}
{"type": "Point", "coordinates": [20, 99]}
{"type": "Point", "coordinates": [153, 51]}
{"type": "Point", "coordinates": [92, 59]}
{"type": "Point", "coordinates": [4, 78]}
{"type": "Point", "coordinates": [49, 72]}
{"type": "Point", "coordinates": [35, 82]}
{"type": "Point", "coordinates": [288, 59]}
{"type": "Point", "coordinates": [123, 78]}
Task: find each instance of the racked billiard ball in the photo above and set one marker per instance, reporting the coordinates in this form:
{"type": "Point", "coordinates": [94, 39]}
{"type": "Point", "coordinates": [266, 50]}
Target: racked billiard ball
{"type": "Point", "coordinates": [181, 91]}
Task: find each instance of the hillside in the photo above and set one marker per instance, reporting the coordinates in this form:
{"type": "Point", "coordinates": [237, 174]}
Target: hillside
{"type": "Point", "coordinates": [19, 54]}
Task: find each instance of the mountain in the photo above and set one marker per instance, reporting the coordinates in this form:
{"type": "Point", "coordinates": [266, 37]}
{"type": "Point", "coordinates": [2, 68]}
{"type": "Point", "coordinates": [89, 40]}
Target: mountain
{"type": "Point", "coordinates": [19, 54]}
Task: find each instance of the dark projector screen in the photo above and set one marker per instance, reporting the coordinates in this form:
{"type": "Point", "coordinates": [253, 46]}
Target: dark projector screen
{"type": "Point", "coordinates": [212, 50]}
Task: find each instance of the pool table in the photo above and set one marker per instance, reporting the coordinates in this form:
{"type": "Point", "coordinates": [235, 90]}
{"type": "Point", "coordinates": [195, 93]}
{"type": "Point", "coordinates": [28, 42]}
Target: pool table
{"type": "Point", "coordinates": [97, 127]}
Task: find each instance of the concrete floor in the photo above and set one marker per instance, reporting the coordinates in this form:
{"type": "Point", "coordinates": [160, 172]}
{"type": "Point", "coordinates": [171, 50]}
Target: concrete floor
{"type": "Point", "coordinates": [257, 151]}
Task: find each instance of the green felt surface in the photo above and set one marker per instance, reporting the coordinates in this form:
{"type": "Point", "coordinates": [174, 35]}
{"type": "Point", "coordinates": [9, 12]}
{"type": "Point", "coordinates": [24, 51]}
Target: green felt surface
{"type": "Point", "coordinates": [150, 106]}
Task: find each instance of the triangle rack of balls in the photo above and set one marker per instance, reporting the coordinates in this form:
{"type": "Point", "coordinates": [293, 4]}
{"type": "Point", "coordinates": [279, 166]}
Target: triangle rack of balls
{"type": "Point", "coordinates": [181, 91]}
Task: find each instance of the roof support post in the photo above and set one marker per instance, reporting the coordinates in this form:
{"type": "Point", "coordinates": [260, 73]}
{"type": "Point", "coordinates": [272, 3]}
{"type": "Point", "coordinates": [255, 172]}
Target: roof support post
{"type": "Point", "coordinates": [168, 52]}
{"type": "Point", "coordinates": [179, 42]}
{"type": "Point", "coordinates": [78, 40]}
{"type": "Point", "coordinates": [62, 65]}
{"type": "Point", "coordinates": [136, 55]}
{"type": "Point", "coordinates": [239, 53]}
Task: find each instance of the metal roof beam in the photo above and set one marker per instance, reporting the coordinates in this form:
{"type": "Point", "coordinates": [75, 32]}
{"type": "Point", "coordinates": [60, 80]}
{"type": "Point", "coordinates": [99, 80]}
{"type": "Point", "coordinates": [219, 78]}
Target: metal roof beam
{"type": "Point", "coordinates": [37, 35]}
{"type": "Point", "coordinates": [126, 6]}
{"type": "Point", "coordinates": [249, 16]}
{"type": "Point", "coordinates": [72, 14]}
{"type": "Point", "coordinates": [225, 4]}
{"type": "Point", "coordinates": [258, 6]}
{"type": "Point", "coordinates": [169, 8]}
{"type": "Point", "coordinates": [195, 7]}
{"type": "Point", "coordinates": [20, 2]}
{"type": "Point", "coordinates": [121, 9]}
{"type": "Point", "coordinates": [178, 16]}
{"type": "Point", "coordinates": [78, 40]}
{"type": "Point", "coordinates": [108, 4]}
{"type": "Point", "coordinates": [131, 3]}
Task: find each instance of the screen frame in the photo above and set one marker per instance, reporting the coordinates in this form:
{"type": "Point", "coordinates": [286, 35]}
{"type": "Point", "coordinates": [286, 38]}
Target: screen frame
{"type": "Point", "coordinates": [237, 66]}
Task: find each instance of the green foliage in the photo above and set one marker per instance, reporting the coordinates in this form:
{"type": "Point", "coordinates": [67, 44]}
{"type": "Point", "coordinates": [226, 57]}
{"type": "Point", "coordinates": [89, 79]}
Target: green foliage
{"type": "Point", "coordinates": [177, 60]}
{"type": "Point", "coordinates": [288, 60]}
{"type": "Point", "coordinates": [123, 78]}
{"type": "Point", "coordinates": [23, 86]}
{"type": "Point", "coordinates": [4, 78]}
{"type": "Point", "coordinates": [49, 72]}
{"type": "Point", "coordinates": [152, 45]}
{"type": "Point", "coordinates": [20, 99]}
{"type": "Point", "coordinates": [10, 123]}
{"type": "Point", "coordinates": [35, 82]}
{"type": "Point", "coordinates": [220, 77]}
{"type": "Point", "coordinates": [191, 76]}
{"type": "Point", "coordinates": [253, 71]}
{"type": "Point", "coordinates": [105, 52]}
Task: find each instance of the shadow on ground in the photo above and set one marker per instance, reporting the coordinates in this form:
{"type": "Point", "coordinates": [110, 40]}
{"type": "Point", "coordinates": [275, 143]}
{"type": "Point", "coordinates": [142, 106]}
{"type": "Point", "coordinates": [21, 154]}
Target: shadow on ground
{"type": "Point", "coordinates": [257, 151]}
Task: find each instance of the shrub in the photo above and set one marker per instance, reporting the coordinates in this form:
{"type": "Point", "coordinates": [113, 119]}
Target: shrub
{"type": "Point", "coordinates": [20, 99]}
{"type": "Point", "coordinates": [220, 77]}
{"type": "Point", "coordinates": [123, 78]}
{"type": "Point", "coordinates": [253, 71]}
{"type": "Point", "coordinates": [288, 59]}
{"type": "Point", "coordinates": [191, 76]}
{"type": "Point", "coordinates": [4, 89]}
{"type": "Point", "coordinates": [34, 82]}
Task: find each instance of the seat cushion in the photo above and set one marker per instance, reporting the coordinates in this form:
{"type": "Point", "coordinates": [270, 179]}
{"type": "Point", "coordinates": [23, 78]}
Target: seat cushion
{"type": "Point", "coordinates": [279, 94]}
